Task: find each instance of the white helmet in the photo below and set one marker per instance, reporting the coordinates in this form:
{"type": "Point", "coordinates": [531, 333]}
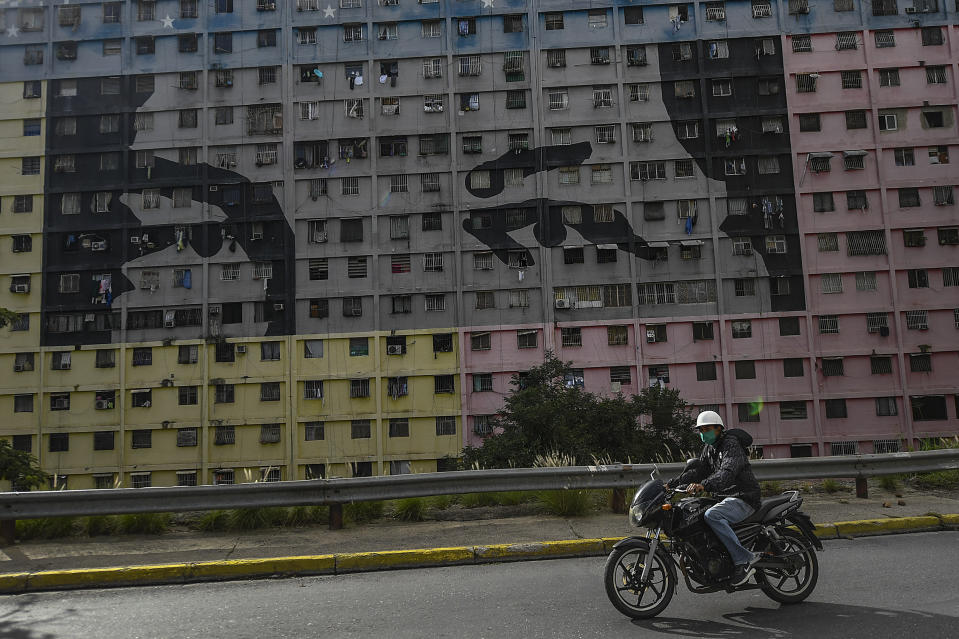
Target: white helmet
{"type": "Point", "coordinates": [708, 417]}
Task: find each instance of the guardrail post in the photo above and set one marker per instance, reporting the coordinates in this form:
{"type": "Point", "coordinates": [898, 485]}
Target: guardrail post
{"type": "Point", "coordinates": [8, 531]}
{"type": "Point", "coordinates": [617, 501]}
{"type": "Point", "coordinates": [336, 516]}
{"type": "Point", "coordinates": [862, 488]}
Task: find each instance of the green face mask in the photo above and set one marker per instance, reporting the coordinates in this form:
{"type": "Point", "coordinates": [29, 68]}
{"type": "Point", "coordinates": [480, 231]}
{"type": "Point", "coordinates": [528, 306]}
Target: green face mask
{"type": "Point", "coordinates": [709, 437]}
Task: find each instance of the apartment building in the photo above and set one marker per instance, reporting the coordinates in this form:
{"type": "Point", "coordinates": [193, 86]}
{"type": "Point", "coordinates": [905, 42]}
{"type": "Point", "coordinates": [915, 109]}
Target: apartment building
{"type": "Point", "coordinates": [261, 240]}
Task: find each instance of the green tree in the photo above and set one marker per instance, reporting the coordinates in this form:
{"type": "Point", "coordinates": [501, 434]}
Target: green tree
{"type": "Point", "coordinates": [7, 317]}
{"type": "Point", "coordinates": [20, 467]}
{"type": "Point", "coordinates": [547, 412]}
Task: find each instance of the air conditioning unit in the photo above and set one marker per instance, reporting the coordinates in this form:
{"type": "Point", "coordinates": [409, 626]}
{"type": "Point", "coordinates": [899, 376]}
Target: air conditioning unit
{"type": "Point", "coordinates": [60, 403]}
{"type": "Point", "coordinates": [563, 304]}
{"type": "Point", "coordinates": [214, 309]}
{"type": "Point", "coordinates": [99, 245]}
{"type": "Point", "coordinates": [616, 386]}
{"type": "Point", "coordinates": [911, 10]}
{"type": "Point", "coordinates": [21, 288]}
{"type": "Point", "coordinates": [278, 306]}
{"type": "Point", "coordinates": [102, 404]}
{"type": "Point", "coordinates": [256, 235]}
{"type": "Point", "coordinates": [241, 348]}
{"type": "Point", "coordinates": [134, 240]}
{"type": "Point", "coordinates": [169, 323]}
{"type": "Point", "coordinates": [394, 349]}
{"type": "Point", "coordinates": [18, 368]}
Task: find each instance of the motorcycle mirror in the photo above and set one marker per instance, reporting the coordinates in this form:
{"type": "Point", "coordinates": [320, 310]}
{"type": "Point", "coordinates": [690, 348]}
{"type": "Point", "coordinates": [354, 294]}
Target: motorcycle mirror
{"type": "Point", "coordinates": [655, 472]}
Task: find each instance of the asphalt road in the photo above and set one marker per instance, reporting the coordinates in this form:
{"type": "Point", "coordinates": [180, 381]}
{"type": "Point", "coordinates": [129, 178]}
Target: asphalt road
{"type": "Point", "coordinates": [872, 587]}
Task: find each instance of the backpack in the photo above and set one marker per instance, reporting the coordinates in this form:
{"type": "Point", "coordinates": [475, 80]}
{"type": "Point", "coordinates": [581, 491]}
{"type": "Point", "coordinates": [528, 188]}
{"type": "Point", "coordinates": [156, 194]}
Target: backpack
{"type": "Point", "coordinates": [745, 439]}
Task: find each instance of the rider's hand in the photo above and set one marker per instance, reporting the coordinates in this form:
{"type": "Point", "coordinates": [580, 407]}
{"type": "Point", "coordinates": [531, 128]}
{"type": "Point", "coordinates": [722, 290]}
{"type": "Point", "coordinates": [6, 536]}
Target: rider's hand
{"type": "Point", "coordinates": [695, 488]}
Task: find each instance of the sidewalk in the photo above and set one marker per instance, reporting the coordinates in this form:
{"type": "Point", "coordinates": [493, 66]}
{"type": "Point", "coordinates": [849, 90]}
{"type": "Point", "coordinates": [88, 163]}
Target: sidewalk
{"type": "Point", "coordinates": [473, 527]}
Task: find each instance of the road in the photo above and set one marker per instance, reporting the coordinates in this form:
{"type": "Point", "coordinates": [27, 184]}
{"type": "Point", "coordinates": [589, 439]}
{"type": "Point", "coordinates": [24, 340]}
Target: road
{"type": "Point", "coordinates": [891, 586]}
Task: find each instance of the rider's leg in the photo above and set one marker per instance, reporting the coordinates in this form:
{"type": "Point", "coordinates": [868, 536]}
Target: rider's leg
{"type": "Point", "coordinates": [730, 511]}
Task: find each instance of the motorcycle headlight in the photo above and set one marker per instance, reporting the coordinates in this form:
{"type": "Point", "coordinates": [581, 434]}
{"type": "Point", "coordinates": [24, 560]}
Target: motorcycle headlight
{"type": "Point", "coordinates": [635, 515]}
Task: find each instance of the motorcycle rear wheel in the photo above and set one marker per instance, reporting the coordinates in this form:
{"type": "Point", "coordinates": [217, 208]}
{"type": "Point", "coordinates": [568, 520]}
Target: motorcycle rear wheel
{"type": "Point", "coordinates": [624, 569]}
{"type": "Point", "coordinates": [791, 586]}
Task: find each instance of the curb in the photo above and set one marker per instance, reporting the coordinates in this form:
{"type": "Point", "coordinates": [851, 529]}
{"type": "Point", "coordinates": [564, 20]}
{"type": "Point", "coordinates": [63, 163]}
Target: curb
{"type": "Point", "coordinates": [345, 563]}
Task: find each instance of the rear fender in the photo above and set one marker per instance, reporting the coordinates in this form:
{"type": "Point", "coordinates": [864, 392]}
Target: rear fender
{"type": "Point", "coordinates": [802, 521]}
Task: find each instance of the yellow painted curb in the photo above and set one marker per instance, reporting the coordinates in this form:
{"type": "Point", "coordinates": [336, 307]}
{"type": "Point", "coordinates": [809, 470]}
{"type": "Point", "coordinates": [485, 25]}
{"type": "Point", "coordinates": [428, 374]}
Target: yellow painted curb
{"type": "Point", "coordinates": [531, 550]}
{"type": "Point", "coordinates": [609, 542]}
{"type": "Point", "coordinates": [14, 581]}
{"type": "Point", "coordinates": [242, 568]}
{"type": "Point", "coordinates": [879, 526]}
{"type": "Point", "coordinates": [387, 559]}
{"type": "Point", "coordinates": [949, 520]}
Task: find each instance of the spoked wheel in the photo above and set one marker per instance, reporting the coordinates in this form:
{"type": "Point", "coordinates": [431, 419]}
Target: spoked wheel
{"type": "Point", "coordinates": [796, 581]}
{"type": "Point", "coordinates": [625, 588]}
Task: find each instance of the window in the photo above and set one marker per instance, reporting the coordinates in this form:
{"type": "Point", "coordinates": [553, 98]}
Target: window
{"type": "Point", "coordinates": [836, 409]}
{"type": "Point", "coordinates": [705, 371]}
{"type": "Point", "coordinates": [141, 439]}
{"type": "Point", "coordinates": [141, 398]}
{"type": "Point", "coordinates": [717, 49]}
{"type": "Point", "coordinates": [855, 119]}
{"type": "Point", "coordinates": [866, 281]}
{"type": "Point", "coordinates": [831, 282]}
{"type": "Point", "coordinates": [602, 97]}
{"type": "Point", "coordinates": [554, 21]}
{"type": "Point", "coordinates": [828, 324]}
{"type": "Point", "coordinates": [832, 367]}
{"type": "Point", "coordinates": [948, 237]}
{"type": "Point", "coordinates": [527, 339]}
{"type": "Point", "coordinates": [865, 243]}
{"type": "Point", "coordinates": [909, 197]}
{"type": "Point", "coordinates": [788, 326]}
{"type": "Point", "coordinates": [913, 238]}
{"type": "Point", "coordinates": [747, 412]}
{"type": "Point", "coordinates": [917, 320]}
{"type": "Point", "coordinates": [888, 121]}
{"type": "Point", "coordinates": [877, 323]}
{"type": "Point", "coordinates": [558, 99]}
{"type": "Point", "coordinates": [443, 385]}
{"type": "Point", "coordinates": [935, 75]}
{"type": "Point", "coordinates": [742, 329]}
{"type": "Point", "coordinates": [744, 287]}
{"type": "Point", "coordinates": [633, 15]}
{"type": "Point", "coordinates": [60, 361]}
{"type": "Point", "coordinates": [805, 83]}
{"type": "Point", "coordinates": [931, 36]}
{"type": "Point", "coordinates": [942, 196]}
{"type": "Point", "coordinates": [571, 337]}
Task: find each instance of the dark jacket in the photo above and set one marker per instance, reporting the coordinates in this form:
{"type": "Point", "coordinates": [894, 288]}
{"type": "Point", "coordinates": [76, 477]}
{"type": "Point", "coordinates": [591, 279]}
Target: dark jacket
{"type": "Point", "coordinates": [723, 469]}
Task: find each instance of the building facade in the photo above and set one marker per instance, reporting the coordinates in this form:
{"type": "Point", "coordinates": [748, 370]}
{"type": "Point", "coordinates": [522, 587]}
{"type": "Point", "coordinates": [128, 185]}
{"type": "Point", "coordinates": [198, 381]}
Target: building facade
{"type": "Point", "coordinates": [278, 239]}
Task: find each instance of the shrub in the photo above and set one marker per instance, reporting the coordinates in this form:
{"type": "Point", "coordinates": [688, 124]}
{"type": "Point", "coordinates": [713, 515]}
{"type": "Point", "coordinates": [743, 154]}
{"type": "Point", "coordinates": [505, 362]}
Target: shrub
{"type": "Point", "coordinates": [566, 503]}
{"type": "Point", "coordinates": [98, 525]}
{"type": "Point", "coordinates": [213, 521]}
{"type": "Point", "coordinates": [889, 483]}
{"type": "Point", "coordinates": [442, 502]}
{"type": "Point", "coordinates": [362, 511]}
{"type": "Point", "coordinates": [770, 488]}
{"type": "Point", "coordinates": [410, 509]}
{"type": "Point", "coordinates": [831, 486]}
{"type": "Point", "coordinates": [939, 480]}
{"type": "Point", "coordinates": [306, 515]}
{"type": "Point", "coordinates": [49, 528]}
{"type": "Point", "coordinates": [143, 524]}
{"type": "Point", "coordinates": [476, 500]}
{"type": "Point", "coordinates": [253, 518]}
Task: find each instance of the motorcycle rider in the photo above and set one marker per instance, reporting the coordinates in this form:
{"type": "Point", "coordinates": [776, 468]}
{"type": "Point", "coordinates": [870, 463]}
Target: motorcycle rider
{"type": "Point", "coordinates": [723, 468]}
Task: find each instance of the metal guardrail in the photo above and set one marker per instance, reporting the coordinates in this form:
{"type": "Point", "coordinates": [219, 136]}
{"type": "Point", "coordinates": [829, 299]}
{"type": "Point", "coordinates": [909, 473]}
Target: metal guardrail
{"type": "Point", "coordinates": [335, 492]}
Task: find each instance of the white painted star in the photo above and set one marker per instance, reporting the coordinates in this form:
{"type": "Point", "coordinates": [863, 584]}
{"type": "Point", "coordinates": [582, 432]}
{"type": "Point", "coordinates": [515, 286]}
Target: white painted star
{"type": "Point", "coordinates": [487, 4]}
{"type": "Point", "coordinates": [13, 31]}
{"type": "Point", "coordinates": [167, 22]}
{"type": "Point", "coordinates": [329, 12]}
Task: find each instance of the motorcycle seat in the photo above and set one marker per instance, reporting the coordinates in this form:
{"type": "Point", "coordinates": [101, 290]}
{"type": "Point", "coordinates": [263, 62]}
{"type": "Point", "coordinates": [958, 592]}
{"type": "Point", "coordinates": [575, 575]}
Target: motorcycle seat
{"type": "Point", "coordinates": [764, 508]}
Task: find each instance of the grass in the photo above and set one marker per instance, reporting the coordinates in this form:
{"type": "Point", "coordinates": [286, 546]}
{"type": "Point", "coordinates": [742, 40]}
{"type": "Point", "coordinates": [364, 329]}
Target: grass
{"type": "Point", "coordinates": [939, 480]}
{"type": "Point", "coordinates": [443, 502]}
{"type": "Point", "coordinates": [478, 500]}
{"type": "Point", "coordinates": [410, 509]}
{"type": "Point", "coordinates": [889, 483]}
{"type": "Point", "coordinates": [49, 528]}
{"type": "Point", "coordinates": [298, 516]}
{"type": "Point", "coordinates": [143, 524]}
{"type": "Point", "coordinates": [255, 518]}
{"type": "Point", "coordinates": [98, 525]}
{"type": "Point", "coordinates": [363, 511]}
{"type": "Point", "coordinates": [831, 486]}
{"type": "Point", "coordinates": [566, 503]}
{"type": "Point", "coordinates": [770, 488]}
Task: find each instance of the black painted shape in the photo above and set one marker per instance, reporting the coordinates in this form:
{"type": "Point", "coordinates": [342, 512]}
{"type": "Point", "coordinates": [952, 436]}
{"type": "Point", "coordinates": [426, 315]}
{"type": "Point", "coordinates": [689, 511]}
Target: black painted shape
{"type": "Point", "coordinates": [276, 246]}
{"type": "Point", "coordinates": [745, 68]}
{"type": "Point", "coordinates": [546, 218]}
{"type": "Point", "coordinates": [531, 161]}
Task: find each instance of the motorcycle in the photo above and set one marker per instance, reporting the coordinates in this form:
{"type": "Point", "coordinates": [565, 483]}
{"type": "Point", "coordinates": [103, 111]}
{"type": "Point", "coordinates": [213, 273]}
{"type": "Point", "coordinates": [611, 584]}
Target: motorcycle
{"type": "Point", "coordinates": [641, 571]}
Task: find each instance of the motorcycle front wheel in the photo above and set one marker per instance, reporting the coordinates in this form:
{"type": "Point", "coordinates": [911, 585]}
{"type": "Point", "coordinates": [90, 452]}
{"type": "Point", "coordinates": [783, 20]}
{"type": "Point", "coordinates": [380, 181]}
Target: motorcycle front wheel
{"type": "Point", "coordinates": [790, 585]}
{"type": "Point", "coordinates": [625, 588]}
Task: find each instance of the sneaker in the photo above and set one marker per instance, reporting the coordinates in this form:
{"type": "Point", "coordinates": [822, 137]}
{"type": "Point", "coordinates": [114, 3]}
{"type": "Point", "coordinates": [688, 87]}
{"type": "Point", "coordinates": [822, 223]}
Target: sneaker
{"type": "Point", "coordinates": [743, 572]}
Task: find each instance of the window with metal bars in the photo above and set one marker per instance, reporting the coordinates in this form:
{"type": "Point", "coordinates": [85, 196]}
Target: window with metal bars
{"type": "Point", "coordinates": [832, 366]}
{"type": "Point", "coordinates": [741, 329]}
{"type": "Point", "coordinates": [877, 322]}
{"type": "Point", "coordinates": [950, 276]}
{"type": "Point", "coordinates": [920, 362]}
{"type": "Point", "coordinates": [747, 412]}
{"type": "Point", "coordinates": [932, 36]}
{"type": "Point", "coordinates": [917, 320]}
{"type": "Point", "coordinates": [828, 324]}
{"type": "Point", "coordinates": [223, 394]}
{"type": "Point", "coordinates": [880, 365]}
{"type": "Point", "coordinates": [571, 337]}
{"type": "Point", "coordinates": [865, 243]}
{"type": "Point", "coordinates": [941, 195]}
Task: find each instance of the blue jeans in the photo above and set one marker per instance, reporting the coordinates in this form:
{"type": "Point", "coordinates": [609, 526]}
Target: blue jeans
{"type": "Point", "coordinates": [730, 511]}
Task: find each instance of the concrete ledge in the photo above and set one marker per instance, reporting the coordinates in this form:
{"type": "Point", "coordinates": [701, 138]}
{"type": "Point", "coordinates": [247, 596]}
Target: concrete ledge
{"type": "Point", "coordinates": [344, 563]}
{"type": "Point", "coordinates": [887, 526]}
